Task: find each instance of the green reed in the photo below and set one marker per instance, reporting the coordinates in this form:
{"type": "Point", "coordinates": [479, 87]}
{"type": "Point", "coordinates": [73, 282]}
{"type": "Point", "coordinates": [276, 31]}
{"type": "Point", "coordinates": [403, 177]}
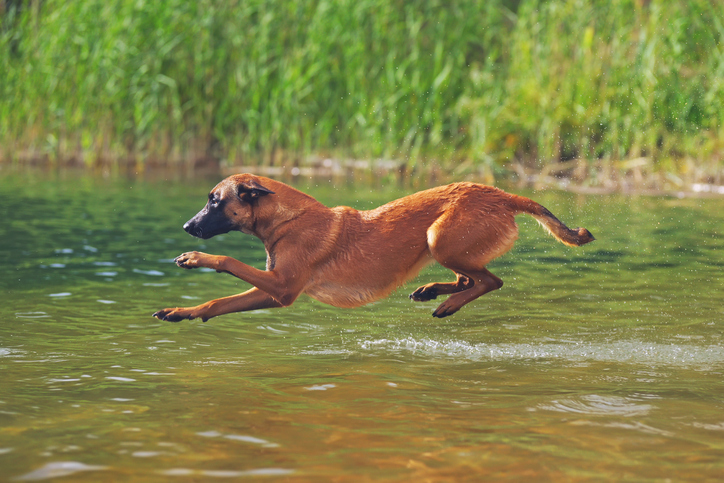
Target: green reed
{"type": "Point", "coordinates": [469, 83]}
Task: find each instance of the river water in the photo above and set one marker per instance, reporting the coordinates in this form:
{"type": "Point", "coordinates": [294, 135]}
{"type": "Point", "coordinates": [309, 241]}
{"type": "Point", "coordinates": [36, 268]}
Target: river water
{"type": "Point", "coordinates": [600, 363]}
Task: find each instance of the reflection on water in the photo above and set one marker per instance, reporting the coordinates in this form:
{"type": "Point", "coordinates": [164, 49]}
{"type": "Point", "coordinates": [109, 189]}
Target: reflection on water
{"type": "Point", "coordinates": [600, 363]}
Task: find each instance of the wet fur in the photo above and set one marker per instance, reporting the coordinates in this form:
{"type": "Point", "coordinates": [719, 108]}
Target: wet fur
{"type": "Point", "coordinates": [347, 258]}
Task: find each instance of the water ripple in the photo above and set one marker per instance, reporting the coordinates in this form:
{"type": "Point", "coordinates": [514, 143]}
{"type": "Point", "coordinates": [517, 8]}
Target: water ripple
{"type": "Point", "coordinates": [595, 405]}
{"type": "Point", "coordinates": [154, 273]}
{"type": "Point", "coordinates": [32, 315]}
{"type": "Point", "coordinates": [226, 473]}
{"type": "Point", "coordinates": [56, 469]}
{"type": "Point", "coordinates": [238, 437]}
{"type": "Point", "coordinates": [320, 387]}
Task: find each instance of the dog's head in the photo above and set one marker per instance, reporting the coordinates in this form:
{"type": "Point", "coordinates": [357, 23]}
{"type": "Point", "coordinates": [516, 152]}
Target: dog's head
{"type": "Point", "coordinates": [230, 207]}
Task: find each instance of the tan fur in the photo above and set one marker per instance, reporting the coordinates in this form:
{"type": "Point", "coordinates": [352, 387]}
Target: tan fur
{"type": "Point", "coordinates": [346, 258]}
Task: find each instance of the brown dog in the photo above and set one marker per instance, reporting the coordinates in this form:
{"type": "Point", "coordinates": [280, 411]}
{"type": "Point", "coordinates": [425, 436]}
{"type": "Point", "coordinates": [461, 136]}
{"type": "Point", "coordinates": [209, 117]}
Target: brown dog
{"type": "Point", "coordinates": [346, 258]}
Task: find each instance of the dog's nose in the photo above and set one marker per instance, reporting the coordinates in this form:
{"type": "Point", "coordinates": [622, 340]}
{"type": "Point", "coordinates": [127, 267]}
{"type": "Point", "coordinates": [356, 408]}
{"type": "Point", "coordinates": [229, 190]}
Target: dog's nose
{"type": "Point", "coordinates": [189, 227]}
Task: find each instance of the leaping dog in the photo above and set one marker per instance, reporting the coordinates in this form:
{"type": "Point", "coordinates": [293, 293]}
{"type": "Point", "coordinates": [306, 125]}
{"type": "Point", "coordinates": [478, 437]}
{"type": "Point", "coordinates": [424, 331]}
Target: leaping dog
{"type": "Point", "coordinates": [347, 258]}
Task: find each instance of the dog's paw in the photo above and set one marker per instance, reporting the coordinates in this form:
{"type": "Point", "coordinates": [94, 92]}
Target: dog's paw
{"type": "Point", "coordinates": [191, 260]}
{"type": "Point", "coordinates": [171, 315]}
{"type": "Point", "coordinates": [423, 294]}
{"type": "Point", "coordinates": [445, 309]}
{"type": "Point", "coordinates": [177, 315]}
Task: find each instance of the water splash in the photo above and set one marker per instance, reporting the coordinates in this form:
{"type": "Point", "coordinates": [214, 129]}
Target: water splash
{"type": "Point", "coordinates": [631, 351]}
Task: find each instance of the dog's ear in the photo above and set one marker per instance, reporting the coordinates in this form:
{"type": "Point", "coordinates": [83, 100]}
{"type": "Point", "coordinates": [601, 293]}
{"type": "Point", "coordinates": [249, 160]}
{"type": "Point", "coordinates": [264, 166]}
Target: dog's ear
{"type": "Point", "coordinates": [251, 190]}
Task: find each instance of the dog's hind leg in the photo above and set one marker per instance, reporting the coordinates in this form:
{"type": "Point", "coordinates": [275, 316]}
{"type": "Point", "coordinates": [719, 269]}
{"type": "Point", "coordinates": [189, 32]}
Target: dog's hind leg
{"type": "Point", "coordinates": [432, 290]}
{"type": "Point", "coordinates": [465, 246]}
{"type": "Point", "coordinates": [482, 282]}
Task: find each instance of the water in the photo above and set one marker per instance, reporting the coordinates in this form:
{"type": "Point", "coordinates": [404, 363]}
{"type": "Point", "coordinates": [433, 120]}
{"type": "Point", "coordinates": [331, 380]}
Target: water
{"type": "Point", "coordinates": [598, 363]}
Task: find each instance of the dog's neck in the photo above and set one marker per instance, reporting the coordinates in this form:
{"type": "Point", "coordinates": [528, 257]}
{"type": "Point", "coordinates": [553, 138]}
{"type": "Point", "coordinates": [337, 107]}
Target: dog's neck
{"type": "Point", "coordinates": [271, 218]}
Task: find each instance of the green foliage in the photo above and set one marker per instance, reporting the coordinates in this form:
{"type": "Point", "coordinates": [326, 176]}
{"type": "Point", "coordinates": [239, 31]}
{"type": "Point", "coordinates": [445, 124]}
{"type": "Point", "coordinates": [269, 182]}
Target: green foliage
{"type": "Point", "coordinates": [607, 79]}
{"type": "Point", "coordinates": [476, 81]}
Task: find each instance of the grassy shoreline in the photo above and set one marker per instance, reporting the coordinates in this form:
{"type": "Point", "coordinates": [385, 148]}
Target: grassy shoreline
{"type": "Point", "coordinates": [604, 93]}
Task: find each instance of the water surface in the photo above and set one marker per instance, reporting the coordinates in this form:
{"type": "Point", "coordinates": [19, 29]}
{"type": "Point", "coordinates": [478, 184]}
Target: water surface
{"type": "Point", "coordinates": [598, 363]}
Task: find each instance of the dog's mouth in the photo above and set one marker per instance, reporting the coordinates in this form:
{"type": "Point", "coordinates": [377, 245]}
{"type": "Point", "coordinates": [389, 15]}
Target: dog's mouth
{"type": "Point", "coordinates": [193, 229]}
{"type": "Point", "coordinates": [207, 228]}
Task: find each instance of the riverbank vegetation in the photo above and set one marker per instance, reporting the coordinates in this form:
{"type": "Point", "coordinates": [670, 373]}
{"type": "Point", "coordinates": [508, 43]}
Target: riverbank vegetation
{"type": "Point", "coordinates": [596, 91]}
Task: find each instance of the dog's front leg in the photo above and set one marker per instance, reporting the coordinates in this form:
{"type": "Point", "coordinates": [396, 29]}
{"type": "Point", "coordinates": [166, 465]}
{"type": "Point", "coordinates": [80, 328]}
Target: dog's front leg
{"type": "Point", "coordinates": [253, 299]}
{"type": "Point", "coordinates": [282, 285]}
{"type": "Point", "coordinates": [199, 260]}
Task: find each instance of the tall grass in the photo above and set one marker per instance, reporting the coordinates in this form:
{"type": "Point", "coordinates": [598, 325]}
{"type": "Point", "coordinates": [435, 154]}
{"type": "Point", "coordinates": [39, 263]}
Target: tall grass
{"type": "Point", "coordinates": [606, 80]}
{"type": "Point", "coordinates": [469, 83]}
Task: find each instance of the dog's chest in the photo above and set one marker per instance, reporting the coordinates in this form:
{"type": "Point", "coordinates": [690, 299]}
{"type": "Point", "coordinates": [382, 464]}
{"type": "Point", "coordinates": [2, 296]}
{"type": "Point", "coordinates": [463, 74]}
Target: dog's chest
{"type": "Point", "coordinates": [341, 295]}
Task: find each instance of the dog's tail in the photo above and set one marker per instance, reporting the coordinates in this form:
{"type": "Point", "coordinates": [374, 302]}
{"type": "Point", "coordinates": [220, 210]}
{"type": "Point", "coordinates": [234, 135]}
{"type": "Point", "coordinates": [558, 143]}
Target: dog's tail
{"type": "Point", "coordinates": [554, 226]}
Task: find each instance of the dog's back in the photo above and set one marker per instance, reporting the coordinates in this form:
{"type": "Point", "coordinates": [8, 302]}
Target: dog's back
{"type": "Point", "coordinates": [463, 226]}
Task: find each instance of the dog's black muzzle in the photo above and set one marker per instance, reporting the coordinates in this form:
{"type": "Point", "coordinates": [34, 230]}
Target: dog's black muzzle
{"type": "Point", "coordinates": [208, 223]}
{"type": "Point", "coordinates": [193, 229]}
